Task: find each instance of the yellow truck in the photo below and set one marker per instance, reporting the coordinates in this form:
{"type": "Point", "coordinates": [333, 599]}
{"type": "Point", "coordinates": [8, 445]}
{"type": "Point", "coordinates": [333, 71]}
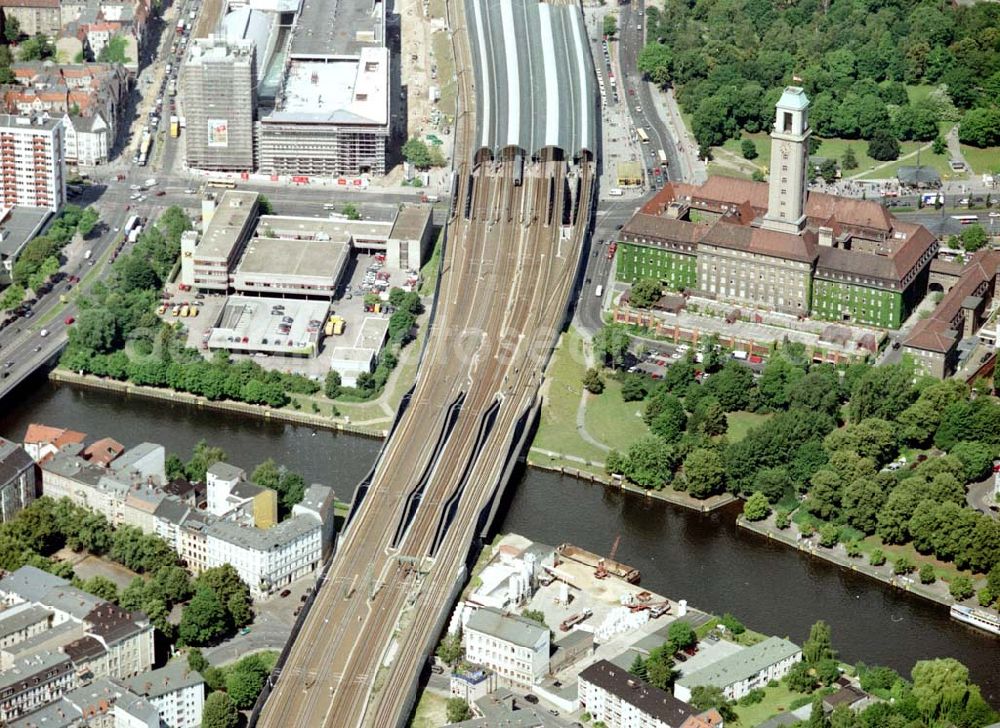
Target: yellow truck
{"type": "Point", "coordinates": [334, 326]}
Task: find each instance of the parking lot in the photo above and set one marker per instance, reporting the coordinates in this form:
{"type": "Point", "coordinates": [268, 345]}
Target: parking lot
{"type": "Point", "coordinates": [365, 273]}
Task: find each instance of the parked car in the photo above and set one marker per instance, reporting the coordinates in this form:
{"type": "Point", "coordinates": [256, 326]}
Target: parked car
{"type": "Point", "coordinates": [285, 593]}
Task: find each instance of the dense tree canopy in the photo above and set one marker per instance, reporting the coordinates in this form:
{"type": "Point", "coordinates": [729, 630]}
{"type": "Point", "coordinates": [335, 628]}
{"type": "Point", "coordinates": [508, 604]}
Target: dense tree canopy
{"type": "Point", "coordinates": [728, 62]}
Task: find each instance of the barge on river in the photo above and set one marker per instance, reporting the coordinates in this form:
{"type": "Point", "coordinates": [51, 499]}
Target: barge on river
{"type": "Point", "coordinates": [582, 556]}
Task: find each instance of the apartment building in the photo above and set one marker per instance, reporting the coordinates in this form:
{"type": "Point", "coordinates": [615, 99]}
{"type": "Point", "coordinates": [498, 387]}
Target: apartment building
{"type": "Point", "coordinates": [746, 670]}
{"type": "Point", "coordinates": [33, 682]}
{"type": "Point", "coordinates": [619, 699]}
{"type": "Point", "coordinates": [176, 692]}
{"type": "Point", "coordinates": [515, 648]}
{"type": "Point", "coordinates": [32, 162]}
{"type": "Point", "coordinates": [18, 479]}
{"type": "Point", "coordinates": [34, 16]}
{"type": "Point", "coordinates": [219, 88]}
{"type": "Point", "coordinates": [41, 441]}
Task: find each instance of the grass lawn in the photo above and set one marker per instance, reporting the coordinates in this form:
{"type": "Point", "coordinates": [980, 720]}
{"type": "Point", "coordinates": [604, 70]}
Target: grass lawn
{"type": "Point", "coordinates": [557, 428]}
{"type": "Point", "coordinates": [776, 700]}
{"type": "Point", "coordinates": [428, 274]}
{"type": "Point", "coordinates": [982, 161]}
{"type": "Point", "coordinates": [918, 93]}
{"type": "Point", "coordinates": [613, 421]}
{"type": "Point", "coordinates": [431, 712]}
{"type": "Point", "coordinates": [741, 422]}
{"type": "Point", "coordinates": [441, 44]}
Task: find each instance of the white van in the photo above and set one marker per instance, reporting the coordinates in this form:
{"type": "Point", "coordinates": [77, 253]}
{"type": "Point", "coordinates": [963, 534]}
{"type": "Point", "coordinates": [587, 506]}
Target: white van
{"type": "Point", "coordinates": [616, 192]}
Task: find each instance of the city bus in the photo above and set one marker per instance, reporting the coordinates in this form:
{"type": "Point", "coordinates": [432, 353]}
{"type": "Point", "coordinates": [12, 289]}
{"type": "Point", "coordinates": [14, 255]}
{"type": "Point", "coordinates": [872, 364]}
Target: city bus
{"type": "Point", "coordinates": [662, 156]}
{"type": "Point", "coordinates": [641, 133]}
{"type": "Point", "coordinates": [966, 219]}
{"type": "Point", "coordinates": [222, 184]}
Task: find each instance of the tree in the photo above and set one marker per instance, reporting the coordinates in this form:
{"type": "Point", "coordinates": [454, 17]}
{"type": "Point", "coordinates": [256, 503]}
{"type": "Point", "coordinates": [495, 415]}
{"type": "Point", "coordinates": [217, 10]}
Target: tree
{"type": "Point", "coordinates": [203, 457]}
{"type": "Point", "coordinates": [204, 619]}
{"type": "Point", "coordinates": [706, 697]}
{"type": "Point", "coordinates": [680, 635]}
{"type": "Point", "coordinates": [800, 678]}
{"type": "Point", "coordinates": [902, 565]}
{"type": "Point", "coordinates": [883, 146]}
{"type": "Point", "coordinates": [731, 386]}
{"type": "Point", "coordinates": [645, 292]}
{"type": "Point", "coordinates": [35, 48]}
{"type": "Point", "coordinates": [610, 24]}
{"type": "Point", "coordinates": [332, 384]}
{"type": "Point", "coordinates": [87, 221]}
{"type": "Point", "coordinates": [960, 588]}
{"type": "Point", "coordinates": [973, 238]}
{"type": "Point", "coordinates": [980, 127]}
{"type": "Point", "coordinates": [232, 592]}
{"type": "Point", "coordinates": [535, 615]}
{"type": "Point", "coordinates": [11, 30]}
{"type": "Point", "coordinates": [611, 343]}
{"type": "Point", "coordinates": [220, 712]}
{"type": "Point", "coordinates": [660, 667]}
{"type": "Point", "coordinates": [634, 388]}
{"type": "Point", "coordinates": [927, 575]}
{"type": "Point", "coordinates": [245, 680]}
{"type": "Point", "coordinates": [102, 588]}
{"type": "Point", "coordinates": [939, 146]}
{"type": "Point", "coordinates": [196, 660]}
{"type": "Point", "coordinates": [457, 710]}
{"type": "Point", "coordinates": [655, 62]}
{"type": "Point", "coordinates": [665, 416]}
{"type": "Point", "coordinates": [450, 649]}
{"type": "Point", "coordinates": [114, 51]}
{"type": "Point", "coordinates": [592, 381]}
{"type": "Point", "coordinates": [649, 463]}
{"type": "Point", "coordinates": [709, 418]}
{"type": "Point", "coordinates": [817, 718]}
{"type": "Point", "coordinates": [882, 392]}
{"type": "Point", "coordinates": [849, 160]}
{"type": "Point", "coordinates": [350, 211]}
{"type": "Point", "coordinates": [704, 472]}
{"type": "Point", "coordinates": [977, 459]}
{"type": "Point", "coordinates": [638, 667]}
{"type": "Point", "coordinates": [829, 535]}
{"type": "Point", "coordinates": [756, 507]}
{"type": "Point", "coordinates": [416, 153]}
{"type": "Point", "coordinates": [12, 297]}
{"type": "Point", "coordinates": [819, 646]}
{"type": "Point", "coordinates": [828, 170]}
{"type": "Point", "coordinates": [940, 688]}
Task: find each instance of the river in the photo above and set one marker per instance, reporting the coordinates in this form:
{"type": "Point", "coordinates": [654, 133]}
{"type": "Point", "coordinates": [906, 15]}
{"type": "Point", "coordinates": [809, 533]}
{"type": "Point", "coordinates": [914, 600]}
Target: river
{"type": "Point", "coordinates": [705, 559]}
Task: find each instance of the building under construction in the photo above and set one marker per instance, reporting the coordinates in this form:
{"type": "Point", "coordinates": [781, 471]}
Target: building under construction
{"type": "Point", "coordinates": [220, 101]}
{"type": "Point", "coordinates": [331, 110]}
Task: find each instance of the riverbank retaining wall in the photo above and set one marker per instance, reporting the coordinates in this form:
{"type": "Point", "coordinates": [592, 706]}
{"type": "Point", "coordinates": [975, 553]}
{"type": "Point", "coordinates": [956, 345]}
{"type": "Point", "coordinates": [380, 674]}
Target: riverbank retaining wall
{"type": "Point", "coordinates": [789, 537]}
{"type": "Point", "coordinates": [670, 496]}
{"type": "Point", "coordinates": [253, 410]}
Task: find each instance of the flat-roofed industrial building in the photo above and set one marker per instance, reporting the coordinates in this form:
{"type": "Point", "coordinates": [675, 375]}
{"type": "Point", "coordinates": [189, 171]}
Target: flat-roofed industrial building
{"type": "Point", "coordinates": [307, 268]}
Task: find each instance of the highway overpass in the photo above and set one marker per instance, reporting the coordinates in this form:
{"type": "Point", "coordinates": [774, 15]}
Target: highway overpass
{"type": "Point", "coordinates": [511, 257]}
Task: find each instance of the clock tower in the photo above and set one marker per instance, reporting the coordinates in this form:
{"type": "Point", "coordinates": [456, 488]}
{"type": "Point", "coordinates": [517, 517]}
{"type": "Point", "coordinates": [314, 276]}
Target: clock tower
{"type": "Point", "coordinates": [787, 183]}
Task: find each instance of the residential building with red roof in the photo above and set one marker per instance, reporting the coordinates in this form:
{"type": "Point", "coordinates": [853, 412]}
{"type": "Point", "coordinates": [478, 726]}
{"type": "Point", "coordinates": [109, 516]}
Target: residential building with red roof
{"type": "Point", "coordinates": [778, 246]}
{"type": "Point", "coordinates": [42, 441]}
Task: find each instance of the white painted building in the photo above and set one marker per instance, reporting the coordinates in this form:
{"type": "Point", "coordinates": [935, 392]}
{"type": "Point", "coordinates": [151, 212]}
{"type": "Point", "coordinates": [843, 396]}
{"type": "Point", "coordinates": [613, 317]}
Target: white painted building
{"type": "Point", "coordinates": [177, 693]}
{"type": "Point", "coordinates": [515, 648]}
{"type": "Point", "coordinates": [739, 673]}
{"type": "Point", "coordinates": [32, 154]}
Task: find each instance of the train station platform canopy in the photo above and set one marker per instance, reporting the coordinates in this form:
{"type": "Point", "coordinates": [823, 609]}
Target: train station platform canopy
{"type": "Point", "coordinates": [535, 84]}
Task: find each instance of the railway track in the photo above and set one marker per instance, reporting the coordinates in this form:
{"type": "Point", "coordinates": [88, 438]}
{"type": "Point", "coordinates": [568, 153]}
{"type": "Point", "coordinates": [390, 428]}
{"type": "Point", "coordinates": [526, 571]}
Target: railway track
{"type": "Point", "coordinates": [505, 280]}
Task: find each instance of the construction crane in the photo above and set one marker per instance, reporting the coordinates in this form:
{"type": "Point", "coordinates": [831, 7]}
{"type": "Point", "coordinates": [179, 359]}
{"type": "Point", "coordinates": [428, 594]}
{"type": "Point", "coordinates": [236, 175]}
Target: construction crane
{"type": "Point", "coordinates": [601, 572]}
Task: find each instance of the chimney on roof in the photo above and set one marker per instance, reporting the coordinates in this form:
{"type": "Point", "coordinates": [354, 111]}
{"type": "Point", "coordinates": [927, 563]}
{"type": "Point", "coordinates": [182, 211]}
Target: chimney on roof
{"type": "Point", "coordinates": [826, 237]}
